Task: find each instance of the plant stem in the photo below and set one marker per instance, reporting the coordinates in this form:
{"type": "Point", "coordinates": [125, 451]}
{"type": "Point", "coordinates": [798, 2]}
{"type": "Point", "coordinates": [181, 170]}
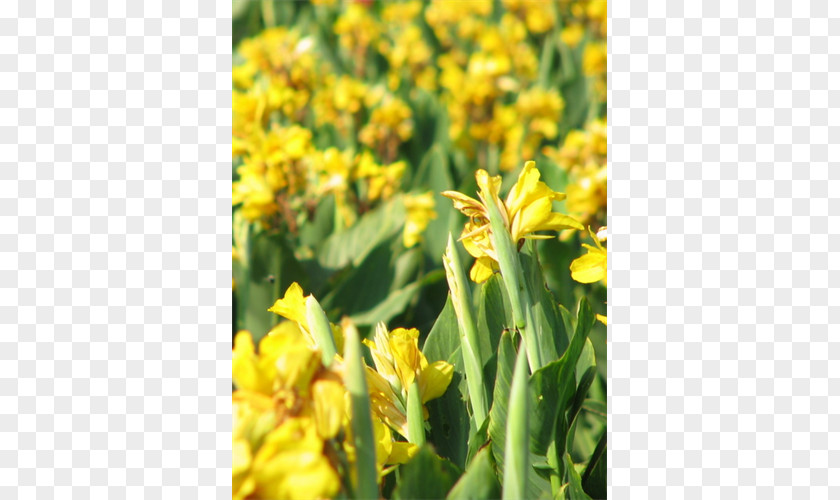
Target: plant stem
{"type": "Point", "coordinates": [462, 302]}
{"type": "Point", "coordinates": [520, 300]}
{"type": "Point", "coordinates": [366, 474]}
{"type": "Point", "coordinates": [517, 433]}
{"type": "Point", "coordinates": [416, 432]}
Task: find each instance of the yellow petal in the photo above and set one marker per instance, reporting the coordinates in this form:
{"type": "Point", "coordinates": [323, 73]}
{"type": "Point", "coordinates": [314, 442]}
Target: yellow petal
{"type": "Point", "coordinates": [488, 186]}
{"type": "Point", "coordinates": [292, 306]}
{"type": "Point", "coordinates": [482, 269]}
{"type": "Point", "coordinates": [435, 379]}
{"type": "Point", "coordinates": [328, 403]}
{"type": "Point", "coordinates": [241, 456]}
{"type": "Point", "coordinates": [589, 268]}
{"type": "Point", "coordinates": [601, 318]}
{"type": "Point", "coordinates": [246, 370]}
{"type": "Point", "coordinates": [402, 452]}
{"type": "Point", "coordinates": [406, 354]}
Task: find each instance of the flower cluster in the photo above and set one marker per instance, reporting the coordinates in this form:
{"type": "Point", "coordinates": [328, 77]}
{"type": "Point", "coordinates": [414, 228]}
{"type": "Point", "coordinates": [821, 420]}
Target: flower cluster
{"type": "Point", "coordinates": [584, 157]}
{"type": "Point", "coordinates": [526, 210]}
{"type": "Point", "coordinates": [292, 434]}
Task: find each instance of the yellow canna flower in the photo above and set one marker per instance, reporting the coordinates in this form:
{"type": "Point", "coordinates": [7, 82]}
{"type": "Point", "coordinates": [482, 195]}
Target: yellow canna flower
{"type": "Point", "coordinates": [572, 35]}
{"type": "Point", "coordinates": [292, 306]}
{"type": "Point", "coordinates": [328, 402]}
{"type": "Point", "coordinates": [249, 371]}
{"type": "Point", "coordinates": [591, 267]}
{"type": "Point", "coordinates": [420, 210]}
{"type": "Point", "coordinates": [290, 464]}
{"type": "Point", "coordinates": [399, 362]}
{"type": "Point", "coordinates": [526, 210]}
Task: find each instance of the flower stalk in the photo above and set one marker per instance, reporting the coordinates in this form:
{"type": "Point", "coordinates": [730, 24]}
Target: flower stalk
{"type": "Point", "coordinates": [362, 423]}
{"type": "Point", "coordinates": [416, 431]}
{"type": "Point", "coordinates": [462, 302]}
{"type": "Point", "coordinates": [512, 277]}
{"type": "Point", "coordinates": [517, 433]}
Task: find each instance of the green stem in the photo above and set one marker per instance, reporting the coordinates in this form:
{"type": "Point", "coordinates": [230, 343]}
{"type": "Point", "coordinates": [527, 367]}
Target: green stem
{"type": "Point", "coordinates": [268, 14]}
{"type": "Point", "coordinates": [462, 301]}
{"type": "Point", "coordinates": [366, 473]}
{"type": "Point", "coordinates": [517, 433]}
{"type": "Point", "coordinates": [416, 432]}
{"type": "Point", "coordinates": [520, 300]}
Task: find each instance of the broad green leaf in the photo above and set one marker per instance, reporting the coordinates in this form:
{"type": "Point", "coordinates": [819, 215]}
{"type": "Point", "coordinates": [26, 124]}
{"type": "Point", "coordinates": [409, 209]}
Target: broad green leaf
{"type": "Point", "coordinates": [493, 316]}
{"type": "Point", "coordinates": [501, 393]}
{"type": "Point", "coordinates": [585, 373]}
{"type": "Point", "coordinates": [354, 244]}
{"type": "Point", "coordinates": [566, 385]}
{"type": "Point", "coordinates": [448, 418]}
{"type": "Point", "coordinates": [363, 287]}
{"type": "Point", "coordinates": [267, 266]}
{"type": "Point", "coordinates": [479, 482]}
{"type": "Point", "coordinates": [594, 478]}
{"type": "Point", "coordinates": [575, 489]}
{"type": "Point", "coordinates": [392, 305]}
{"type": "Point", "coordinates": [426, 476]}
{"type": "Point", "coordinates": [537, 486]}
{"type": "Point", "coordinates": [314, 232]}
{"type": "Point", "coordinates": [549, 327]}
{"type": "Point", "coordinates": [478, 440]}
{"type": "Point", "coordinates": [443, 339]}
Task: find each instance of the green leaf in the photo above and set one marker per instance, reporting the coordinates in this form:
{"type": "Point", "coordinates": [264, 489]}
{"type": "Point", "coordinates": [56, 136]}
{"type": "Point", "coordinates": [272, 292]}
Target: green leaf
{"type": "Point", "coordinates": [355, 243]}
{"type": "Point", "coordinates": [517, 433]}
{"type": "Point", "coordinates": [478, 440]}
{"type": "Point", "coordinates": [575, 490]}
{"type": "Point", "coordinates": [506, 357]}
{"type": "Point", "coordinates": [391, 306]}
{"type": "Point", "coordinates": [443, 339]}
{"type": "Point", "coordinates": [594, 478]}
{"type": "Point", "coordinates": [267, 266]}
{"type": "Point", "coordinates": [479, 482]}
{"type": "Point", "coordinates": [585, 373]}
{"type": "Point", "coordinates": [493, 317]}
{"type": "Point", "coordinates": [548, 324]}
{"type": "Point", "coordinates": [448, 418]}
{"type": "Point", "coordinates": [565, 385]}
{"type": "Point", "coordinates": [434, 174]}
{"type": "Point", "coordinates": [426, 476]}
{"type": "Point", "coordinates": [501, 392]}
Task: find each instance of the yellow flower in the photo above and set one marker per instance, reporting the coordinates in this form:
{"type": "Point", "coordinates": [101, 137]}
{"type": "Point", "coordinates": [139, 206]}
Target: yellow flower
{"type": "Point", "coordinates": [601, 318]}
{"type": "Point", "coordinates": [249, 373]}
{"type": "Point", "coordinates": [572, 35]}
{"type": "Point", "coordinates": [383, 180]}
{"type": "Point", "coordinates": [291, 465]}
{"type": "Point", "coordinates": [595, 59]}
{"type": "Point", "coordinates": [591, 267]}
{"type": "Point", "coordinates": [526, 210]}
{"type": "Point", "coordinates": [420, 210]}
{"type": "Point", "coordinates": [399, 362]}
{"type": "Point", "coordinates": [293, 307]}
{"type": "Point", "coordinates": [328, 401]}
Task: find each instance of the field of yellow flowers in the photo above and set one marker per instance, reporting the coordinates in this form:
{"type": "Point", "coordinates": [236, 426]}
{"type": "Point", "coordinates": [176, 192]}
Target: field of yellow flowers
{"type": "Point", "coordinates": [419, 249]}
